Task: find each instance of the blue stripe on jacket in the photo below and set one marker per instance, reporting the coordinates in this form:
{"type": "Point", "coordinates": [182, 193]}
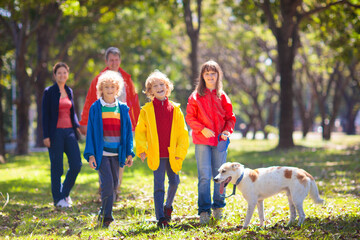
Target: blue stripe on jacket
{"type": "Point", "coordinates": [94, 134]}
{"type": "Point", "coordinates": [50, 110]}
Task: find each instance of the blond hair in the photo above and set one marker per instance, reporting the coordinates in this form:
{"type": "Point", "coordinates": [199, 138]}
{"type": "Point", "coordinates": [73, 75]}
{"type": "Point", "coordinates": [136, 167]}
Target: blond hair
{"type": "Point", "coordinates": [109, 76]}
{"type": "Point", "coordinates": [157, 75]}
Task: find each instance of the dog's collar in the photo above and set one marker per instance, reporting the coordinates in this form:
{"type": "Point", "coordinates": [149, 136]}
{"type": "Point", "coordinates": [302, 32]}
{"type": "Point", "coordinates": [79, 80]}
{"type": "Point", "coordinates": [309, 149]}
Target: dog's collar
{"type": "Point", "coordinates": [237, 183]}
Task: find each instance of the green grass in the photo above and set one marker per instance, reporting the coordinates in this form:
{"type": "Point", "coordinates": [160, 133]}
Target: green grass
{"type": "Point", "coordinates": [29, 213]}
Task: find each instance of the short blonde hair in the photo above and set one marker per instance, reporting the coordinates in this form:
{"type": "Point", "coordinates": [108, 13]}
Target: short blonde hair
{"type": "Point", "coordinates": [157, 75]}
{"type": "Point", "coordinates": [109, 76]}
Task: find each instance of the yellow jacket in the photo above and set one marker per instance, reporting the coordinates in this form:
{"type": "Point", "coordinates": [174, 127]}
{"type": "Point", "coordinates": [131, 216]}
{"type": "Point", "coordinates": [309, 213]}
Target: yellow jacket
{"type": "Point", "coordinates": [147, 140]}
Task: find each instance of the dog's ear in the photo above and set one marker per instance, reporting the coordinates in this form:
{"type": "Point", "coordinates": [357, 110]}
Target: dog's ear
{"type": "Point", "coordinates": [236, 165]}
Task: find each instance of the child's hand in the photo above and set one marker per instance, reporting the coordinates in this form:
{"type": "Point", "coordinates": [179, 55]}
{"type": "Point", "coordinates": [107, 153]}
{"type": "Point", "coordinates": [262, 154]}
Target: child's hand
{"type": "Point", "coordinates": [225, 135]}
{"type": "Point", "coordinates": [142, 156]}
{"type": "Point", "coordinates": [92, 162]}
{"type": "Point", "coordinates": [207, 133]}
{"type": "Point", "coordinates": [129, 161]}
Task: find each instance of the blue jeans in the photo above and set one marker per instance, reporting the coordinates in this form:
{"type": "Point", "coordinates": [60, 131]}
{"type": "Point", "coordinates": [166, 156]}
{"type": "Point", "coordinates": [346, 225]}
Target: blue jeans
{"type": "Point", "coordinates": [209, 160]}
{"type": "Point", "coordinates": [159, 188]}
{"type": "Point", "coordinates": [64, 140]}
{"type": "Point", "coordinates": [109, 181]}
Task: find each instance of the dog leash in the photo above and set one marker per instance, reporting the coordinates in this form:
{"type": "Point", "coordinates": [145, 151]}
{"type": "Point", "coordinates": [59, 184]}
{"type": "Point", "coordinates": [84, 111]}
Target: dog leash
{"type": "Point", "coordinates": [237, 183]}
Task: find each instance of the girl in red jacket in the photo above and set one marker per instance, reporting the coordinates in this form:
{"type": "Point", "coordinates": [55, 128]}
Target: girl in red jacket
{"type": "Point", "coordinates": [209, 115]}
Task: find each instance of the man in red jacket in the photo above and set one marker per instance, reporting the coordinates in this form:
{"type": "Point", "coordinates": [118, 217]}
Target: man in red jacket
{"type": "Point", "coordinates": [129, 95]}
{"type": "Point", "coordinates": [112, 60]}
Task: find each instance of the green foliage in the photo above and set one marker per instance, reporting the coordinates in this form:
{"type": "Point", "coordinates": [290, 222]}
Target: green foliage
{"type": "Point", "coordinates": [271, 129]}
{"type": "Point", "coordinates": [29, 214]}
{"type": "Point", "coordinates": [339, 28]}
{"type": "Point", "coordinates": [73, 8]}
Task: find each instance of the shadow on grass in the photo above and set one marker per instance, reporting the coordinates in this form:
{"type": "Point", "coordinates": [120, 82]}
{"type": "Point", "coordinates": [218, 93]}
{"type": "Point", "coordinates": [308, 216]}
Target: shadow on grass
{"type": "Point", "coordinates": [344, 226]}
{"type": "Point", "coordinates": [317, 161]}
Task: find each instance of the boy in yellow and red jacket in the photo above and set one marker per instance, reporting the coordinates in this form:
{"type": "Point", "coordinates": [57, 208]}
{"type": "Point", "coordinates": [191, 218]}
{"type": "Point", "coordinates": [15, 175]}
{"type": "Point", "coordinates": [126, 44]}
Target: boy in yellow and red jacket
{"type": "Point", "coordinates": [162, 137]}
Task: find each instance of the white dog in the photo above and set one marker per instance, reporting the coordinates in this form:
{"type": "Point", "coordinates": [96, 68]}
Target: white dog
{"type": "Point", "coordinates": [258, 184]}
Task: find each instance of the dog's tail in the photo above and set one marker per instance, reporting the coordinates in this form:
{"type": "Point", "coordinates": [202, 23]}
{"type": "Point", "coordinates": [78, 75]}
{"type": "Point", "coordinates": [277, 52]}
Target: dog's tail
{"type": "Point", "coordinates": [314, 193]}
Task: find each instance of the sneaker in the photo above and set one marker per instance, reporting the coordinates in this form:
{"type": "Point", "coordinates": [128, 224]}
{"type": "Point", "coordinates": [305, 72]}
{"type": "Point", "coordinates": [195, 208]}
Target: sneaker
{"type": "Point", "coordinates": [107, 222]}
{"type": "Point", "coordinates": [68, 200]}
{"type": "Point", "coordinates": [218, 213]}
{"type": "Point", "coordinates": [163, 223]}
{"type": "Point", "coordinates": [63, 204]}
{"type": "Point", "coordinates": [167, 213]}
{"type": "Point", "coordinates": [204, 218]}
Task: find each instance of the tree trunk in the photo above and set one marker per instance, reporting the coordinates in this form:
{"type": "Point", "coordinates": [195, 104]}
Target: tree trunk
{"type": "Point", "coordinates": [306, 125]}
{"type": "Point", "coordinates": [326, 134]}
{"type": "Point", "coordinates": [352, 109]}
{"type": "Point", "coordinates": [39, 89]}
{"type": "Point", "coordinates": [194, 59]}
{"type": "Point", "coordinates": [193, 34]}
{"type": "Point", "coordinates": [2, 132]}
{"type": "Point", "coordinates": [41, 77]}
{"type": "Point", "coordinates": [350, 121]}
{"type": "Point", "coordinates": [23, 103]}
{"type": "Point", "coordinates": [286, 59]}
{"type": "Point", "coordinates": [266, 134]}
{"type": "Point", "coordinates": [44, 37]}
{"type": "Point", "coordinates": [306, 113]}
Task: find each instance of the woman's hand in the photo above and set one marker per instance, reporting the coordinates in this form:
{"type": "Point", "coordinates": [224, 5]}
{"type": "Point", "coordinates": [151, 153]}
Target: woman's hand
{"type": "Point", "coordinates": [142, 156]}
{"type": "Point", "coordinates": [129, 161]}
{"type": "Point", "coordinates": [207, 133]}
{"type": "Point", "coordinates": [92, 162]}
{"type": "Point", "coordinates": [47, 142]}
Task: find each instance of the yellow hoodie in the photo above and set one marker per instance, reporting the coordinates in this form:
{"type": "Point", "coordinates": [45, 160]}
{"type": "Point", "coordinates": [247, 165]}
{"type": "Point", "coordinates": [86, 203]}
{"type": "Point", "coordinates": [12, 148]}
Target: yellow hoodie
{"type": "Point", "coordinates": [147, 139]}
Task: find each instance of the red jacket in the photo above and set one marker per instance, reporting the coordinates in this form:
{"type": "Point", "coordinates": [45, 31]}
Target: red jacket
{"type": "Point", "coordinates": [211, 112]}
{"type": "Point", "coordinates": [132, 99]}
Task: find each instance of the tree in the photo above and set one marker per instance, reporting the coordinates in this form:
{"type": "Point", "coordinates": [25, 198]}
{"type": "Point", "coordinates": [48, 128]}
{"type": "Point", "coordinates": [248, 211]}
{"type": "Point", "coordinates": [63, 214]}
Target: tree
{"type": "Point", "coordinates": [246, 56]}
{"type": "Point", "coordinates": [304, 94]}
{"type": "Point", "coordinates": [5, 48]}
{"type": "Point", "coordinates": [29, 29]}
{"type": "Point", "coordinates": [2, 131]}
{"type": "Point", "coordinates": [193, 33]}
{"type": "Point", "coordinates": [284, 19]}
{"type": "Point", "coordinates": [339, 28]}
{"type": "Point", "coordinates": [352, 98]}
{"type": "Point", "coordinates": [21, 25]}
{"type": "Point", "coordinates": [45, 35]}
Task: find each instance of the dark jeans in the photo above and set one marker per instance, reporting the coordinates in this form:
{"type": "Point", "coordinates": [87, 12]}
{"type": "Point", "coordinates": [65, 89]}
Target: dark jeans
{"type": "Point", "coordinates": [64, 140]}
{"type": "Point", "coordinates": [159, 188]}
{"type": "Point", "coordinates": [109, 180]}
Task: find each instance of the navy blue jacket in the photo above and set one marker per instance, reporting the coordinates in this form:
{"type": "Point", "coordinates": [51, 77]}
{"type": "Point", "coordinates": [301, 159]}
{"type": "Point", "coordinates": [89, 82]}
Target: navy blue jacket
{"type": "Point", "coordinates": [50, 110]}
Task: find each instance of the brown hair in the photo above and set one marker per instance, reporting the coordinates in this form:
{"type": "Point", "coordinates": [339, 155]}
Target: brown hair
{"type": "Point", "coordinates": [206, 67]}
{"type": "Point", "coordinates": [59, 65]}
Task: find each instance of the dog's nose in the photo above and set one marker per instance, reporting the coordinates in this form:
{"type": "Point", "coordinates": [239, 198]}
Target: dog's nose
{"type": "Point", "coordinates": [216, 179]}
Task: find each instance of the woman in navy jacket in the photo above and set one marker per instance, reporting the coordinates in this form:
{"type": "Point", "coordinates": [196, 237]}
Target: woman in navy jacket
{"type": "Point", "coordinates": [60, 125]}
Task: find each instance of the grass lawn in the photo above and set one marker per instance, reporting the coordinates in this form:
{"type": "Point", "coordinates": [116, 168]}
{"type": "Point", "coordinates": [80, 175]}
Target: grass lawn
{"type": "Point", "coordinates": [28, 213]}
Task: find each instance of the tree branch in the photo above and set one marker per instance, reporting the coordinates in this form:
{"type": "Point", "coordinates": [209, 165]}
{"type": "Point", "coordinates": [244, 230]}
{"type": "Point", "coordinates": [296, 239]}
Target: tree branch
{"type": "Point", "coordinates": [319, 9]}
{"type": "Point", "coordinates": [199, 15]}
{"type": "Point", "coordinates": [267, 10]}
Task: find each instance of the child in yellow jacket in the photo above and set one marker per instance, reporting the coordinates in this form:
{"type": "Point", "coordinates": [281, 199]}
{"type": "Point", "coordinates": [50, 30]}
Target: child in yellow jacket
{"type": "Point", "coordinates": [162, 137]}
